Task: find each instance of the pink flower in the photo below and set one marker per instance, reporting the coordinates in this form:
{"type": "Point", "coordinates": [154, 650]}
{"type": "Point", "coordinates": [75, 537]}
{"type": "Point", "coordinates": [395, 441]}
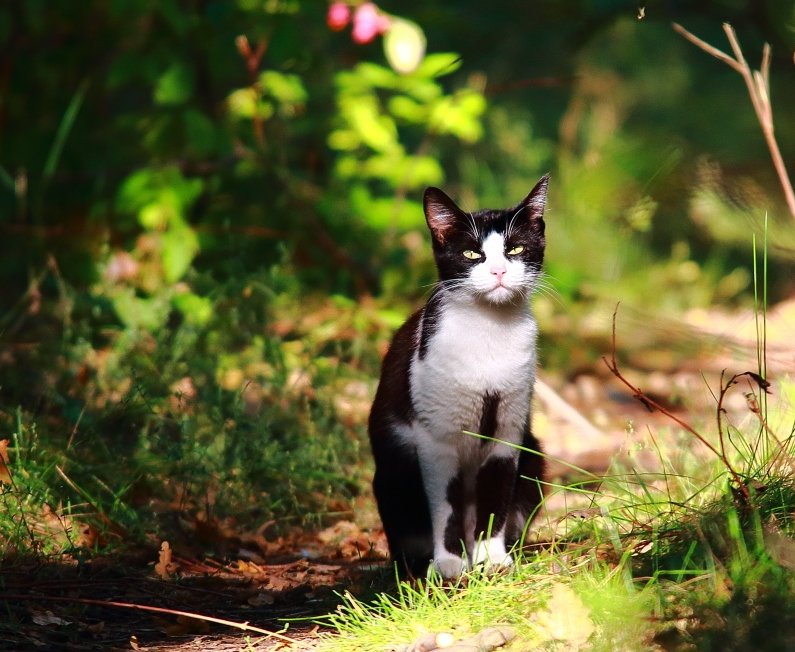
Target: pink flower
{"type": "Point", "coordinates": [338, 16]}
{"type": "Point", "coordinates": [368, 23]}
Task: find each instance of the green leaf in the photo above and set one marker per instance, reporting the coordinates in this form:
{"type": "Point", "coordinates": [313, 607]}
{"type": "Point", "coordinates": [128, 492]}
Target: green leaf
{"type": "Point", "coordinates": [407, 109]}
{"type": "Point", "coordinates": [344, 139]}
{"type": "Point", "coordinates": [385, 213]}
{"type": "Point", "coordinates": [439, 64]}
{"type": "Point", "coordinates": [175, 85]}
{"type": "Point", "coordinates": [286, 89]}
{"type": "Point", "coordinates": [459, 115]}
{"type": "Point", "coordinates": [245, 103]}
{"type": "Point", "coordinates": [196, 309]}
{"type": "Point", "coordinates": [139, 312]}
{"type": "Point", "coordinates": [180, 246]}
{"type": "Point", "coordinates": [376, 130]}
{"type": "Point", "coordinates": [375, 75]}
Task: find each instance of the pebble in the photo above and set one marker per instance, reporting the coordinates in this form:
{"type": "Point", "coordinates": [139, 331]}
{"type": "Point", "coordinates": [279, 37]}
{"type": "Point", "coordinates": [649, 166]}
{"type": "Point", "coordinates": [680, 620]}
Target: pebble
{"type": "Point", "coordinates": [485, 641]}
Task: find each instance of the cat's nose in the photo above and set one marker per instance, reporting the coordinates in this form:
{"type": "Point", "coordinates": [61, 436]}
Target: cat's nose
{"type": "Point", "coordinates": [498, 271]}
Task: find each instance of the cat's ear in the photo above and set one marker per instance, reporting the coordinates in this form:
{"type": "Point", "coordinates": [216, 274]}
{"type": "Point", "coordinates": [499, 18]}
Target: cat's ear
{"type": "Point", "coordinates": [535, 202]}
{"type": "Point", "coordinates": [441, 213]}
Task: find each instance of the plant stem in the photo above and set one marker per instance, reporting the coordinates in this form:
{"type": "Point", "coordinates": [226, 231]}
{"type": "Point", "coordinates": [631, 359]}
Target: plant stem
{"type": "Point", "coordinates": [758, 84]}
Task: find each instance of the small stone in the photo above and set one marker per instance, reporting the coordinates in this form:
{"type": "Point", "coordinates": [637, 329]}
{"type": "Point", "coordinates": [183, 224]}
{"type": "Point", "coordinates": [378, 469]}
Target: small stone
{"type": "Point", "coordinates": [444, 640]}
{"type": "Point", "coordinates": [494, 637]}
{"type": "Point", "coordinates": [425, 643]}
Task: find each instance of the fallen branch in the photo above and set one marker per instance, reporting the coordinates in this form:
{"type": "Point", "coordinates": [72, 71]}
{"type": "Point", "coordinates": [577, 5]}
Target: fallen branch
{"type": "Point", "coordinates": [554, 402]}
{"type": "Point", "coordinates": [758, 84]}
{"type": "Point", "coordinates": [9, 597]}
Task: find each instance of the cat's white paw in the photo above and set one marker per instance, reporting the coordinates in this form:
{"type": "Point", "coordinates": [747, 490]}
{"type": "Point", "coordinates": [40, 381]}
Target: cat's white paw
{"type": "Point", "coordinates": [491, 552]}
{"type": "Point", "coordinates": [449, 566]}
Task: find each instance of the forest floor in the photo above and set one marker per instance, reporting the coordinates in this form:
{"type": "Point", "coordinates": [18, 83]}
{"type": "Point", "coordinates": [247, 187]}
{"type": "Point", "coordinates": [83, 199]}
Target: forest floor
{"type": "Point", "coordinates": [183, 600]}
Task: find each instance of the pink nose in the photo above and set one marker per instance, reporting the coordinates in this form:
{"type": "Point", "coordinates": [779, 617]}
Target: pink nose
{"type": "Point", "coordinates": [498, 271]}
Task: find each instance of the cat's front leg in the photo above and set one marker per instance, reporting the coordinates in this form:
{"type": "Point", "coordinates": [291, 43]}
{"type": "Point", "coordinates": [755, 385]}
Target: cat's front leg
{"type": "Point", "coordinates": [445, 487]}
{"type": "Point", "coordinates": [494, 488]}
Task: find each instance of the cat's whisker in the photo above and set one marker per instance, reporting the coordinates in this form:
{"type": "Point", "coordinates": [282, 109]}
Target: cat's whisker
{"type": "Point", "coordinates": [509, 230]}
{"type": "Point", "coordinates": [474, 227]}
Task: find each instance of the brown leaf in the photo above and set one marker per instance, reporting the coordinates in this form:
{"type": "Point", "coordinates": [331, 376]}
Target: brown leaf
{"type": "Point", "coordinates": [187, 625]}
{"type": "Point", "coordinates": [165, 567]}
{"type": "Point", "coordinates": [261, 599]}
{"type": "Point", "coordinates": [47, 617]}
{"type": "Point", "coordinates": [5, 472]}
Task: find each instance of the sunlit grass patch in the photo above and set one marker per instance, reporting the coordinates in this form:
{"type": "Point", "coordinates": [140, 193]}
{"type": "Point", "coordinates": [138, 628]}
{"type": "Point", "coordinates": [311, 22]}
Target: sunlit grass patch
{"type": "Point", "coordinates": [552, 599]}
{"type": "Point", "coordinates": [660, 555]}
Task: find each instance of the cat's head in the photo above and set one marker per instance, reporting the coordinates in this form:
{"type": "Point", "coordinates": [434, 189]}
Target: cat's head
{"type": "Point", "coordinates": [492, 255]}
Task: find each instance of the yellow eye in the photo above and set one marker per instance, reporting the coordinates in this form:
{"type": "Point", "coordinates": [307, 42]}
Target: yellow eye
{"type": "Point", "coordinates": [514, 251]}
{"type": "Point", "coordinates": [472, 255]}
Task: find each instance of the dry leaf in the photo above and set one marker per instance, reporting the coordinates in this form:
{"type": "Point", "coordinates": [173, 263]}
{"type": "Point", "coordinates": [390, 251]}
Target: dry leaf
{"type": "Point", "coordinates": [93, 628]}
{"type": "Point", "coordinates": [187, 625]}
{"type": "Point", "coordinates": [261, 599]}
{"type": "Point", "coordinates": [165, 567]}
{"type": "Point", "coordinates": [5, 472]}
{"type": "Point", "coordinates": [48, 618]}
{"type": "Point", "coordinates": [566, 618]}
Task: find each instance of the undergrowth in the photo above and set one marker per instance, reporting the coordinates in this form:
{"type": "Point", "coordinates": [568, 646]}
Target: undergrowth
{"type": "Point", "coordinates": [246, 414]}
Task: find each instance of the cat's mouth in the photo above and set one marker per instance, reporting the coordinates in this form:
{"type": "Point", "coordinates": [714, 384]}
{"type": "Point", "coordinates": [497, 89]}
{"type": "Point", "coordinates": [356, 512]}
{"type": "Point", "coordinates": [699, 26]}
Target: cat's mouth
{"type": "Point", "coordinates": [500, 293]}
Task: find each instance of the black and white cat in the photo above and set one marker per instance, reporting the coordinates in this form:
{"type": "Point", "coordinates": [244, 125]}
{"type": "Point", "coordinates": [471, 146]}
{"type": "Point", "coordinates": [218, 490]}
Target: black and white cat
{"type": "Point", "coordinates": [465, 362]}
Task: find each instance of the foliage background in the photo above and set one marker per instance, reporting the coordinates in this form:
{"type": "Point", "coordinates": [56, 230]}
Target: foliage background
{"type": "Point", "coordinates": [203, 260]}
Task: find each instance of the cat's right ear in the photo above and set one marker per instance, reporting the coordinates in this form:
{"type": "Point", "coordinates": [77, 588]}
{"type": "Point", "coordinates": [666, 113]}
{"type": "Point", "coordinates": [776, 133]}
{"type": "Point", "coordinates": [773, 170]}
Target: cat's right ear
{"type": "Point", "coordinates": [441, 213]}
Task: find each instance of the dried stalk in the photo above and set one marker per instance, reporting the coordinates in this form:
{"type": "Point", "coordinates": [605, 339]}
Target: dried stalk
{"type": "Point", "coordinates": [758, 84]}
{"type": "Point", "coordinates": [652, 405]}
{"type": "Point", "coordinates": [252, 58]}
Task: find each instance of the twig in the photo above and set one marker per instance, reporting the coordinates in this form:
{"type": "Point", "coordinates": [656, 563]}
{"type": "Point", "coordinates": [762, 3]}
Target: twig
{"type": "Point", "coordinates": [758, 84]}
{"type": "Point", "coordinates": [252, 59]}
{"type": "Point", "coordinates": [7, 597]}
{"type": "Point", "coordinates": [652, 405]}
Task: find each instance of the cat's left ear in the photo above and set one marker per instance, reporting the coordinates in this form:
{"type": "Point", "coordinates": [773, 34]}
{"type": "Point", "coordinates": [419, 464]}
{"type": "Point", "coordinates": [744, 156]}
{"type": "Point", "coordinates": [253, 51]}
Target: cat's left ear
{"type": "Point", "coordinates": [534, 204]}
{"type": "Point", "coordinates": [441, 213]}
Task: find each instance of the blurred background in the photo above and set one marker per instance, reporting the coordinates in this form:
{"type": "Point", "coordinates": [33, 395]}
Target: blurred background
{"type": "Point", "coordinates": [211, 223]}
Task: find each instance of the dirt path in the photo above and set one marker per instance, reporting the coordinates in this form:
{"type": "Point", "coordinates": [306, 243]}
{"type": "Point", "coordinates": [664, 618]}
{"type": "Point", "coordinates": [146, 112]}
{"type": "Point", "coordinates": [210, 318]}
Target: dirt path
{"type": "Point", "coordinates": [122, 604]}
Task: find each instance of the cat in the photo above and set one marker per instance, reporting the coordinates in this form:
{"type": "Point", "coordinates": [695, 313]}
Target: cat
{"type": "Point", "coordinates": [463, 363]}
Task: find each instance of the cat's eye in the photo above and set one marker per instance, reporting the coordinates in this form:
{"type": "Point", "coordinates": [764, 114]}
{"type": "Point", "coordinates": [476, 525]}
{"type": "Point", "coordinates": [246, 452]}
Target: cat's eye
{"type": "Point", "coordinates": [472, 255]}
{"type": "Point", "coordinates": [515, 251]}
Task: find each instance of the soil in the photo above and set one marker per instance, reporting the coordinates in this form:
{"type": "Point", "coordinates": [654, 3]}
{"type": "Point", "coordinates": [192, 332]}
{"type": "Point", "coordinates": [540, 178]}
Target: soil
{"type": "Point", "coordinates": [134, 603]}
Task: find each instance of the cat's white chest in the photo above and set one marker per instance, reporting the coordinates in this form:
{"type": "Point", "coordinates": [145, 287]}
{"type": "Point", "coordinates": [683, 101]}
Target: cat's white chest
{"type": "Point", "coordinates": [474, 352]}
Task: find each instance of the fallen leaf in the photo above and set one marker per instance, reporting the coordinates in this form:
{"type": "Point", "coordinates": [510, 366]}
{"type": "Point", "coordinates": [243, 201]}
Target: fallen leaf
{"type": "Point", "coordinates": [48, 618]}
{"type": "Point", "coordinates": [165, 567]}
{"type": "Point", "coordinates": [94, 628]}
{"type": "Point", "coordinates": [566, 618]}
{"type": "Point", "coordinates": [187, 625]}
{"type": "Point", "coordinates": [261, 599]}
{"type": "Point", "coordinates": [5, 472]}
